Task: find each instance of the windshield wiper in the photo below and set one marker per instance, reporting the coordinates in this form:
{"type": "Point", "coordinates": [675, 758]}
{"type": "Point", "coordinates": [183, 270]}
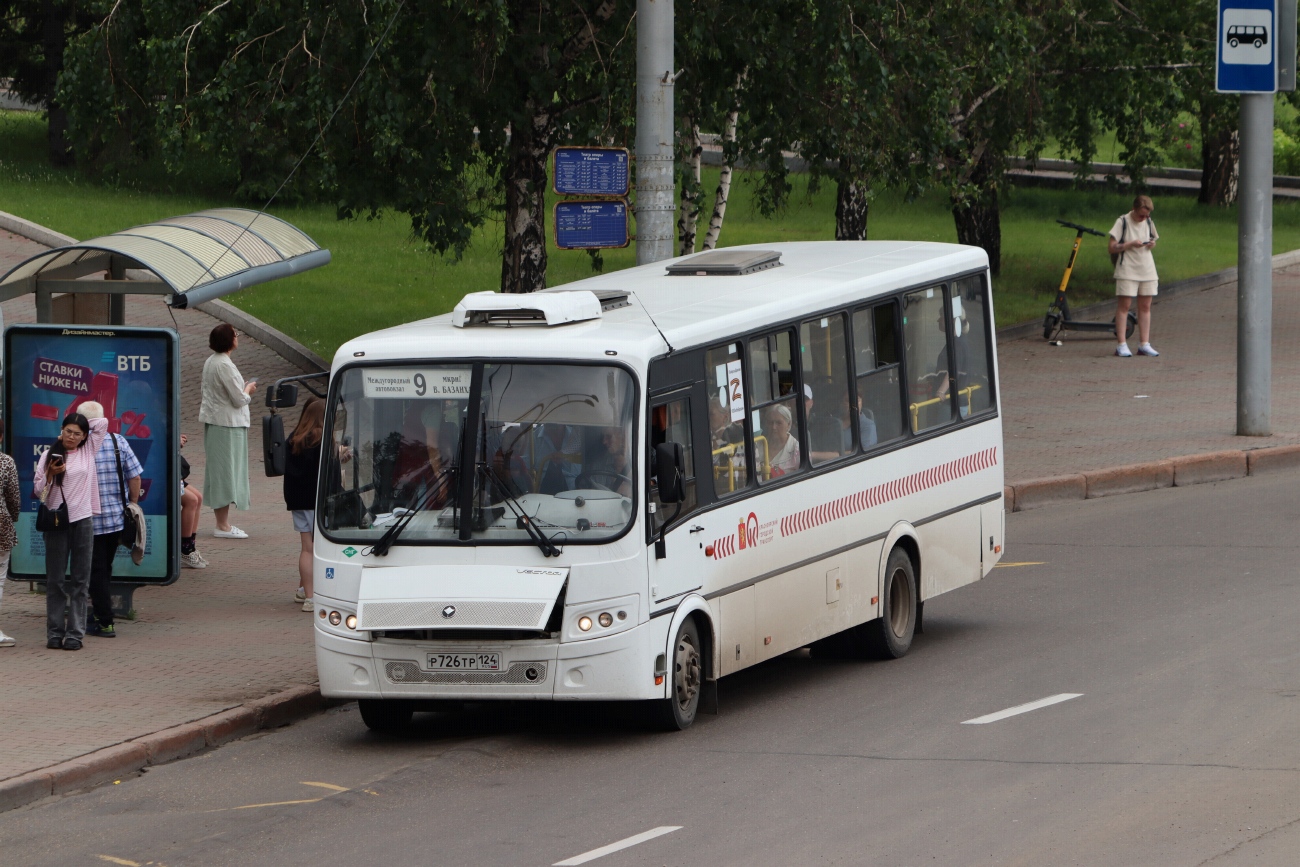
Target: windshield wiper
{"type": "Point", "coordinates": [417, 504]}
{"type": "Point", "coordinates": [522, 519]}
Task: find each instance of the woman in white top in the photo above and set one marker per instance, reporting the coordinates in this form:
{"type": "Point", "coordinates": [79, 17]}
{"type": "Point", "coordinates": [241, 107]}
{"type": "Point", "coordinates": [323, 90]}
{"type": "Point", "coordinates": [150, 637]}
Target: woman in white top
{"type": "Point", "coordinates": [1132, 239]}
{"type": "Point", "coordinates": [225, 418]}
{"type": "Point", "coordinates": [783, 447]}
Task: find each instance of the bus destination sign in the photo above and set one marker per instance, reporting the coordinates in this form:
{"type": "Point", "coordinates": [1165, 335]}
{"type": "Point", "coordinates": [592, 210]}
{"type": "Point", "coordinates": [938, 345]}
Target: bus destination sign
{"type": "Point", "coordinates": [591, 171]}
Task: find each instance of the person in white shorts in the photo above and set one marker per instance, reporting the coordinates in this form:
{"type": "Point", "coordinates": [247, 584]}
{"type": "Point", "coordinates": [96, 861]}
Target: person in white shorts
{"type": "Point", "coordinates": [1132, 239]}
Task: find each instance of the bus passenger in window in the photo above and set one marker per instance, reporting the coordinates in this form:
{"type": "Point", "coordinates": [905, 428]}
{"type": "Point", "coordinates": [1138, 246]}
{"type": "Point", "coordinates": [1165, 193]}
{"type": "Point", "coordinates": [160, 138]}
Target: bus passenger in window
{"type": "Point", "coordinates": [783, 448]}
{"type": "Point", "coordinates": [610, 468]}
{"type": "Point", "coordinates": [943, 383]}
{"type": "Point", "coordinates": [556, 458]}
{"type": "Point", "coordinates": [723, 431]}
{"type": "Point", "coordinates": [866, 427]}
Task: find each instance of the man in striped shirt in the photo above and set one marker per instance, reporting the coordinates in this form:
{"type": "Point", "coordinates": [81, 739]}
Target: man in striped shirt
{"type": "Point", "coordinates": [108, 521]}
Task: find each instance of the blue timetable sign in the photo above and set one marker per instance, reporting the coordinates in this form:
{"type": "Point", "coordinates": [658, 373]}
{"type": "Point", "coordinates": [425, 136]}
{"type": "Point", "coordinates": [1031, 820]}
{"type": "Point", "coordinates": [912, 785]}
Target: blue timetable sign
{"type": "Point", "coordinates": [591, 171]}
{"type": "Point", "coordinates": [1246, 51]}
{"type": "Point", "coordinates": [590, 225]}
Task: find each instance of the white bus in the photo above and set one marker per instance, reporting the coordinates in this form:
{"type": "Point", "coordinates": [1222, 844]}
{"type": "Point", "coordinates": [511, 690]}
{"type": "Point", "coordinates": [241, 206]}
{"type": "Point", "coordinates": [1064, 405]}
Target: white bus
{"type": "Point", "coordinates": [632, 486]}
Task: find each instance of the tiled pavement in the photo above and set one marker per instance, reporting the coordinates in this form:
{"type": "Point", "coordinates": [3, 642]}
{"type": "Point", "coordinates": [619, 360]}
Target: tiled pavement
{"type": "Point", "coordinates": [213, 640]}
{"type": "Point", "coordinates": [227, 634]}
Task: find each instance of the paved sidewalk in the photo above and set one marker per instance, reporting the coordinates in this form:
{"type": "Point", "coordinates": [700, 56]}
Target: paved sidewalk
{"type": "Point", "coordinates": [215, 639]}
{"type": "Point", "coordinates": [228, 635]}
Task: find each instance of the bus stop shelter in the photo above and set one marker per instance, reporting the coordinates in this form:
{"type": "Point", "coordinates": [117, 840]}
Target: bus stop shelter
{"type": "Point", "coordinates": [188, 259]}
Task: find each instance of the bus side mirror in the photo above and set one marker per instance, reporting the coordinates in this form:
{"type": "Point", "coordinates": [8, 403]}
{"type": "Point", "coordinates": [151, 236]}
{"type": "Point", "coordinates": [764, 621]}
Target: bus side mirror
{"type": "Point", "coordinates": [670, 472]}
{"type": "Point", "coordinates": [282, 395]}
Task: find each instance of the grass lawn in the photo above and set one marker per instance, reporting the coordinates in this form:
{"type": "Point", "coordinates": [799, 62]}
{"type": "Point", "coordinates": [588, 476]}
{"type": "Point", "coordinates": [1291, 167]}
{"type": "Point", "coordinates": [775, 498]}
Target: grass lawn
{"type": "Point", "coordinates": [380, 276]}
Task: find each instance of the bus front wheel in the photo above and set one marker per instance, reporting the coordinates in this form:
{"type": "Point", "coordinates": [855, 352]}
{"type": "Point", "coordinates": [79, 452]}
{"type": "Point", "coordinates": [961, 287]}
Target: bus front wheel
{"type": "Point", "coordinates": [890, 635]}
{"type": "Point", "coordinates": [686, 678]}
{"type": "Point", "coordinates": [385, 715]}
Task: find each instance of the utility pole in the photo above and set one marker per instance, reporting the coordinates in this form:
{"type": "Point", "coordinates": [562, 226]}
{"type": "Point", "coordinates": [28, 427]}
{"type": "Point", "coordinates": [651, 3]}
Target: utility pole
{"type": "Point", "coordinates": [1255, 56]}
{"type": "Point", "coordinates": [656, 205]}
{"type": "Point", "coordinates": [1255, 268]}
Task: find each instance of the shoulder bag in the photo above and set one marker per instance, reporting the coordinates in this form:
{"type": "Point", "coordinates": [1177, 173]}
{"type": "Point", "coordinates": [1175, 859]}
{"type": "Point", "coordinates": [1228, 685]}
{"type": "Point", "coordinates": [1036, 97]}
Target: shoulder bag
{"type": "Point", "coordinates": [127, 537]}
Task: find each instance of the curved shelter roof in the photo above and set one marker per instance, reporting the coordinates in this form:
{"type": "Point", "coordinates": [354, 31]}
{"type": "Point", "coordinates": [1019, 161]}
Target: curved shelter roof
{"type": "Point", "coordinates": [198, 256]}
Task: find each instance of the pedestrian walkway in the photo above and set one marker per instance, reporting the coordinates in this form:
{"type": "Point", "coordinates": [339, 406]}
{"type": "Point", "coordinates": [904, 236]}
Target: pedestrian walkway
{"type": "Point", "coordinates": [215, 639]}
{"type": "Point", "coordinates": [229, 634]}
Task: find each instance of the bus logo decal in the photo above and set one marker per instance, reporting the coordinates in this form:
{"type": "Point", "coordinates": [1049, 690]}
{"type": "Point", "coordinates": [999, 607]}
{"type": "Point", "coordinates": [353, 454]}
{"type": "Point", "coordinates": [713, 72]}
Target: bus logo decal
{"type": "Point", "coordinates": [449, 611]}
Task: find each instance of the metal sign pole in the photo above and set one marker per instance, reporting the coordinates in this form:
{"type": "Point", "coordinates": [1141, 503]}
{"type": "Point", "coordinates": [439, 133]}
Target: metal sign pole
{"type": "Point", "coordinates": [1255, 267]}
{"type": "Point", "coordinates": [655, 186]}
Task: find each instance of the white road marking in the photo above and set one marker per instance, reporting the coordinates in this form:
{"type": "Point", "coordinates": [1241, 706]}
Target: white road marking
{"type": "Point", "coordinates": [614, 847]}
{"type": "Point", "coordinates": [1022, 708]}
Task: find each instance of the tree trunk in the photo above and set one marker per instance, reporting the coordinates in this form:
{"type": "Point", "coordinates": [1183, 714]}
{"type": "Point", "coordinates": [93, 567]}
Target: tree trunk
{"type": "Point", "coordinates": [53, 40]}
{"type": "Point", "coordinates": [692, 192]}
{"type": "Point", "coordinates": [1220, 150]}
{"type": "Point", "coordinates": [724, 186]}
{"type": "Point", "coordinates": [975, 207]}
{"type": "Point", "coordinates": [851, 204]}
{"type": "Point", "coordinates": [523, 261]}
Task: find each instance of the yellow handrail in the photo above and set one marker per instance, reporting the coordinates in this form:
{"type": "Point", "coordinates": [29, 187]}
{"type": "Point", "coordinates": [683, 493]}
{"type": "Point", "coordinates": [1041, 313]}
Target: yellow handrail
{"type": "Point", "coordinates": [735, 460]}
{"type": "Point", "coordinates": [961, 392]}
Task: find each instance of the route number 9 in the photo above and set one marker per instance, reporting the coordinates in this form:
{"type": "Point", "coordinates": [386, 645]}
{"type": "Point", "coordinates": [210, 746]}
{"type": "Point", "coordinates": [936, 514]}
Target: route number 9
{"type": "Point", "coordinates": [421, 385]}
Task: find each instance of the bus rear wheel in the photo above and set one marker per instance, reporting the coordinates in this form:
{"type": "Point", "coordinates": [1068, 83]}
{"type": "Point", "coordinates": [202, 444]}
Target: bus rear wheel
{"type": "Point", "coordinates": [890, 635]}
{"type": "Point", "coordinates": [385, 715]}
{"type": "Point", "coordinates": [686, 678]}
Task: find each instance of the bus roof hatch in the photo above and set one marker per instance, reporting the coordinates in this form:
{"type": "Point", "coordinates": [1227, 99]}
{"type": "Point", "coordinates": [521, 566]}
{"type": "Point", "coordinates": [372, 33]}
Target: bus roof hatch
{"type": "Point", "coordinates": [731, 263]}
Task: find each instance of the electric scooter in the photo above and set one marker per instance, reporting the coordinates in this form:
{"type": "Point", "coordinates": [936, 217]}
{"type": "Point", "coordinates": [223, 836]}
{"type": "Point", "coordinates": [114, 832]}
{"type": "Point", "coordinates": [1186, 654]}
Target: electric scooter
{"type": "Point", "coordinates": [1058, 313]}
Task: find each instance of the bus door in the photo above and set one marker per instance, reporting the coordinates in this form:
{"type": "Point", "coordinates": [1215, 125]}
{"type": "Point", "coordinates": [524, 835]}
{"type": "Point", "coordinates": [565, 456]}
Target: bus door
{"type": "Point", "coordinates": [676, 553]}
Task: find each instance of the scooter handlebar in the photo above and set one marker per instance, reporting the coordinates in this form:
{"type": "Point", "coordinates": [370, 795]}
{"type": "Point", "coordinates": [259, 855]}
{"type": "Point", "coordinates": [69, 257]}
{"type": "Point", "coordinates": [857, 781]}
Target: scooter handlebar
{"type": "Point", "coordinates": [1081, 228]}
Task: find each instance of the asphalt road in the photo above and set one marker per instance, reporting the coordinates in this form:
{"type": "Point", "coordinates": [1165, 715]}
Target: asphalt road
{"type": "Point", "coordinates": [1171, 615]}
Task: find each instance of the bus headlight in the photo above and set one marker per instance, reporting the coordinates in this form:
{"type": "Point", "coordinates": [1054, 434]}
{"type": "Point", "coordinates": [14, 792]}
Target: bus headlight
{"type": "Point", "coordinates": [335, 618]}
{"type": "Point", "coordinates": [602, 617]}
{"type": "Point", "coordinates": [351, 621]}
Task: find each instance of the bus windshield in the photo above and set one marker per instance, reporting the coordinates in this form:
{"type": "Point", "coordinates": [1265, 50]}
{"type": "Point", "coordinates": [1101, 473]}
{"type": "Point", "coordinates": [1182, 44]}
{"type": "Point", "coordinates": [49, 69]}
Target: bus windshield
{"type": "Point", "coordinates": [552, 444]}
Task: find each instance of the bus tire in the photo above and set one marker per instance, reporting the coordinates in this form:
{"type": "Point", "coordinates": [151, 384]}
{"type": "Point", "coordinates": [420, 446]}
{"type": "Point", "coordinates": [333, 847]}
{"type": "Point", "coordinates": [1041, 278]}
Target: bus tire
{"type": "Point", "coordinates": [385, 715]}
{"type": "Point", "coordinates": [890, 635]}
{"type": "Point", "coordinates": [685, 680]}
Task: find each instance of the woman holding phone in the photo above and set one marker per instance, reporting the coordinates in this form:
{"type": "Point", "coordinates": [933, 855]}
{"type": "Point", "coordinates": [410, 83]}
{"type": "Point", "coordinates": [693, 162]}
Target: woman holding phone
{"type": "Point", "coordinates": [65, 474]}
{"type": "Point", "coordinates": [225, 417]}
{"type": "Point", "coordinates": [1132, 239]}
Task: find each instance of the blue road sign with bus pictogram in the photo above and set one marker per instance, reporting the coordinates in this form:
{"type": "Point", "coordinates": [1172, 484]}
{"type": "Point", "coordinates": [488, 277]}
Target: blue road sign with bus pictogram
{"type": "Point", "coordinates": [1246, 52]}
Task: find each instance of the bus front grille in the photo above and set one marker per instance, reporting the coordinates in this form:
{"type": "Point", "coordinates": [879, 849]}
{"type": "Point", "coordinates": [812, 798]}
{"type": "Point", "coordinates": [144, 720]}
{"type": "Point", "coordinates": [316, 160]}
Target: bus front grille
{"type": "Point", "coordinates": [518, 672]}
{"type": "Point", "coordinates": [462, 615]}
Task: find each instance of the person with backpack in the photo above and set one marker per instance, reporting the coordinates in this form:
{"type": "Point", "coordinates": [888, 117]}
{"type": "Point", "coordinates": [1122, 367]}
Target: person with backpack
{"type": "Point", "coordinates": [1132, 239]}
{"type": "Point", "coordinates": [118, 474]}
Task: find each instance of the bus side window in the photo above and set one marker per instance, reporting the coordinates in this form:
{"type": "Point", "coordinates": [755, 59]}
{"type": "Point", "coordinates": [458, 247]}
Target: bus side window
{"type": "Point", "coordinates": [876, 372]}
{"type": "Point", "coordinates": [971, 345]}
{"type": "Point", "coordinates": [833, 428]}
{"type": "Point", "coordinates": [773, 412]}
{"type": "Point", "coordinates": [925, 334]}
{"type": "Point", "coordinates": [726, 386]}
{"type": "Point", "coordinates": [671, 422]}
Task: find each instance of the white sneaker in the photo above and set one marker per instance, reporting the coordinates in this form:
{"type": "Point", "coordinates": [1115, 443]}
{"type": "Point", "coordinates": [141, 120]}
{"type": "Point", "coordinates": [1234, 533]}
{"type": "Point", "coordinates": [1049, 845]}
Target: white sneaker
{"type": "Point", "coordinates": [6, 640]}
{"type": "Point", "coordinates": [202, 559]}
{"type": "Point", "coordinates": [1121, 350]}
{"type": "Point", "coordinates": [300, 595]}
{"type": "Point", "coordinates": [233, 533]}
{"type": "Point", "coordinates": [192, 560]}
{"type": "Point", "coordinates": [309, 605]}
{"type": "Point", "coordinates": [1148, 350]}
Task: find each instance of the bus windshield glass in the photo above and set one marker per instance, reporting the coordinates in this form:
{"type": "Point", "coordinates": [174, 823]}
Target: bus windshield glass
{"type": "Point", "coordinates": [551, 446]}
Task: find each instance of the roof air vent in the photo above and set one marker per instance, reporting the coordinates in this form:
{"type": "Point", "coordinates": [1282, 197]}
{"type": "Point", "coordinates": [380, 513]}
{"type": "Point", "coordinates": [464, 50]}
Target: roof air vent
{"type": "Point", "coordinates": [730, 263]}
{"type": "Point", "coordinates": [537, 308]}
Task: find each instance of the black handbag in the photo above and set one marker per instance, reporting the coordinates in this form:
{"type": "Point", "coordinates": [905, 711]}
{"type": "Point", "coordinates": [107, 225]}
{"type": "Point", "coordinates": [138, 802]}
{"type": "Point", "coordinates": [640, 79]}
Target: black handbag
{"type": "Point", "coordinates": [127, 537]}
{"type": "Point", "coordinates": [52, 520]}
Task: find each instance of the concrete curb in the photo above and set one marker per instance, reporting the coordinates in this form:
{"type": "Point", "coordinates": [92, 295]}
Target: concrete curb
{"type": "Point", "coordinates": [178, 742]}
{"type": "Point", "coordinates": [283, 345]}
{"type": "Point", "coordinates": [1149, 476]}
